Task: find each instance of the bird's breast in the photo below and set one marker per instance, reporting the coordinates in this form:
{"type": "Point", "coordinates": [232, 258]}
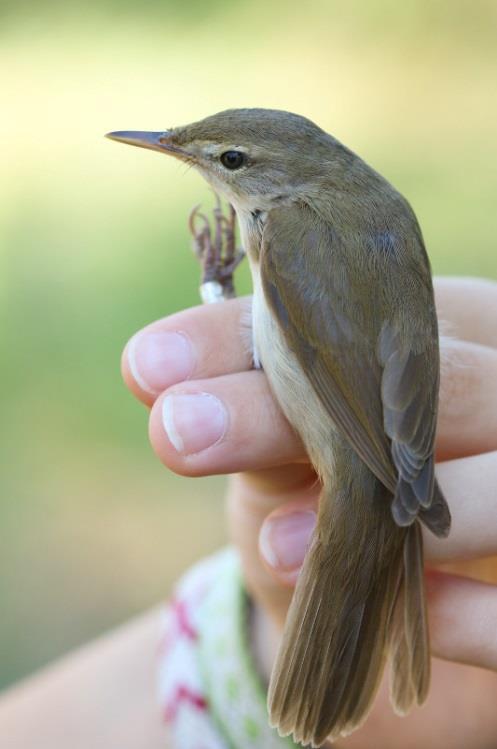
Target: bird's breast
{"type": "Point", "coordinates": [288, 381]}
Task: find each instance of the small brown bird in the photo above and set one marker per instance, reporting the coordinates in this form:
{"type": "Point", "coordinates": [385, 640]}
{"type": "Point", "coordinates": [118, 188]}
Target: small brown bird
{"type": "Point", "coordinates": [345, 328]}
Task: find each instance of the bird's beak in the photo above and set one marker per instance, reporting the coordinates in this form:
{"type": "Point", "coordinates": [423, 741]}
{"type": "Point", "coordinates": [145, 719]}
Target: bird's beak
{"type": "Point", "coordinates": [154, 141]}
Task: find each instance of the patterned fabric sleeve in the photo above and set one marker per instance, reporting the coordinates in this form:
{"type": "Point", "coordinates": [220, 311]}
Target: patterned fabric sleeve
{"type": "Point", "coordinates": [209, 690]}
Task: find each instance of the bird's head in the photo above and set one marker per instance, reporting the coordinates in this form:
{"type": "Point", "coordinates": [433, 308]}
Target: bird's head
{"type": "Point", "coordinates": [254, 157]}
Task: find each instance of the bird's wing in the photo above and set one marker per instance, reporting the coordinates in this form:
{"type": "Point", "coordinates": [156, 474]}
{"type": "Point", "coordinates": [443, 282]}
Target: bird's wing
{"type": "Point", "coordinates": [331, 299]}
{"type": "Point", "coordinates": [409, 392]}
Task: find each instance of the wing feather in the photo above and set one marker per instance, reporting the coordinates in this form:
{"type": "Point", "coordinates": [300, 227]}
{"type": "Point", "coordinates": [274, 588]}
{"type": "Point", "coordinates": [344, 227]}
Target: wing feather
{"type": "Point", "coordinates": [375, 375]}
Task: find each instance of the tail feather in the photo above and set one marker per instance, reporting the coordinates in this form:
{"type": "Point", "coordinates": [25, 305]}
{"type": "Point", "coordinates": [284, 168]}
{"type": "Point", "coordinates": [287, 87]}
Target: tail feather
{"type": "Point", "coordinates": [359, 596]}
{"type": "Point", "coordinates": [372, 653]}
{"type": "Point", "coordinates": [410, 652]}
{"type": "Point", "coordinates": [294, 697]}
{"type": "Point", "coordinates": [342, 653]}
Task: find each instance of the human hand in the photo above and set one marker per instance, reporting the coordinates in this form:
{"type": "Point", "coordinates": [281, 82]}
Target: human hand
{"type": "Point", "coordinates": [212, 413]}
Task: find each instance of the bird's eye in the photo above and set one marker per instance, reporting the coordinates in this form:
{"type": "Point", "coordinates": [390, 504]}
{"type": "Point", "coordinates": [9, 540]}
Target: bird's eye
{"type": "Point", "coordinates": [233, 159]}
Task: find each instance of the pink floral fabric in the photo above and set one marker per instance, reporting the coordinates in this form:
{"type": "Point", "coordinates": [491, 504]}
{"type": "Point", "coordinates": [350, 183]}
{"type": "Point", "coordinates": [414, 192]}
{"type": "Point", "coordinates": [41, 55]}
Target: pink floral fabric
{"type": "Point", "coordinates": [209, 691]}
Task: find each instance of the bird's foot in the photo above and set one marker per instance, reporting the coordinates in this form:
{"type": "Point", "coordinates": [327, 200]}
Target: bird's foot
{"type": "Point", "coordinates": [216, 251]}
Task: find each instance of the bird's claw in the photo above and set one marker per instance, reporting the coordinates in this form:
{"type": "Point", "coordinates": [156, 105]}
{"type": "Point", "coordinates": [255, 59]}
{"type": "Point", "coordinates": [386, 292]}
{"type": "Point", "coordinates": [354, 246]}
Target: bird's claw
{"type": "Point", "coordinates": [216, 251]}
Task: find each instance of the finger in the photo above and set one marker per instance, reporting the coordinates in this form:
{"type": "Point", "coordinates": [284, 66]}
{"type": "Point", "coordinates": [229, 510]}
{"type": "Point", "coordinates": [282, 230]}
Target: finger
{"type": "Point", "coordinates": [254, 431]}
{"type": "Point", "coordinates": [204, 341]}
{"type": "Point", "coordinates": [467, 422]}
{"type": "Point", "coordinates": [285, 537]}
{"type": "Point", "coordinates": [467, 308]}
{"type": "Point", "coordinates": [463, 612]}
{"type": "Point", "coordinates": [219, 336]}
{"type": "Point", "coordinates": [246, 430]}
{"type": "Point", "coordinates": [469, 486]}
{"type": "Point", "coordinates": [463, 619]}
{"type": "Point", "coordinates": [222, 425]}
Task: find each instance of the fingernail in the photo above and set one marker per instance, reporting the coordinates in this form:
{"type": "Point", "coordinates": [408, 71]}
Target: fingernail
{"type": "Point", "coordinates": [193, 422]}
{"type": "Point", "coordinates": [284, 539]}
{"type": "Point", "coordinates": [159, 360]}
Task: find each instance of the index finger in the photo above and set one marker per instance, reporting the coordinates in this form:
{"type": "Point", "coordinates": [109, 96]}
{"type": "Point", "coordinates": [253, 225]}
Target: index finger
{"type": "Point", "coordinates": [201, 342]}
{"type": "Point", "coordinates": [469, 308]}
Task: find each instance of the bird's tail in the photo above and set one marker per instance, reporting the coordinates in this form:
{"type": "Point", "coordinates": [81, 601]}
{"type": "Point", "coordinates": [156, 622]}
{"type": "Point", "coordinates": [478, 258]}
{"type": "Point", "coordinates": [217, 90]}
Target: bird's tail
{"type": "Point", "coordinates": [360, 596]}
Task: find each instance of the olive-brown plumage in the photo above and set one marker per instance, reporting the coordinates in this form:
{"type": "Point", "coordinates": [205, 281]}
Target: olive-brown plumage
{"type": "Point", "coordinates": [346, 331]}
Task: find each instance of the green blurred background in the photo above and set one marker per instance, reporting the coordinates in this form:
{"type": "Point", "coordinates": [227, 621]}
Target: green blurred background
{"type": "Point", "coordinates": [94, 245]}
